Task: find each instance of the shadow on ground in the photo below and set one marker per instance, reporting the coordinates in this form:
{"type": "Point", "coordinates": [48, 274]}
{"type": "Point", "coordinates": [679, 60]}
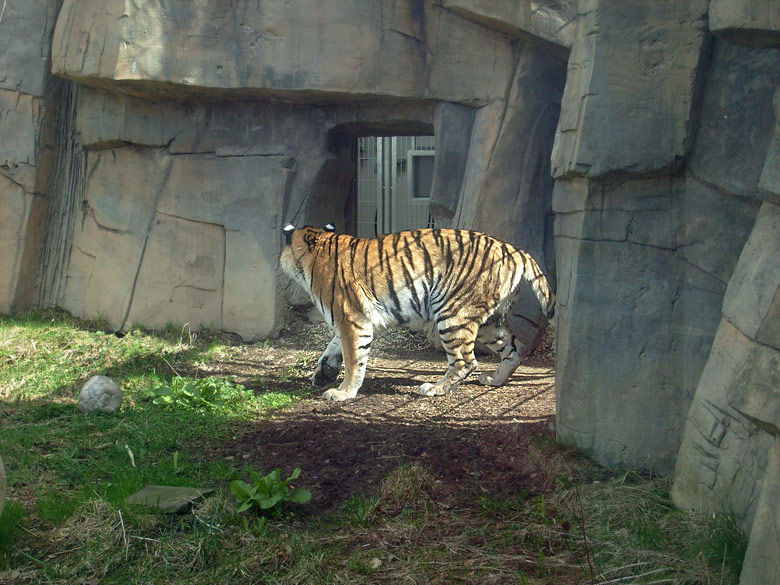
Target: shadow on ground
{"type": "Point", "coordinates": [476, 440]}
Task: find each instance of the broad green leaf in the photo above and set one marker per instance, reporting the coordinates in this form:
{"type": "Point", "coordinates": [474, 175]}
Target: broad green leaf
{"type": "Point", "coordinates": [300, 496]}
{"type": "Point", "coordinates": [240, 489]}
{"type": "Point", "coordinates": [270, 501]}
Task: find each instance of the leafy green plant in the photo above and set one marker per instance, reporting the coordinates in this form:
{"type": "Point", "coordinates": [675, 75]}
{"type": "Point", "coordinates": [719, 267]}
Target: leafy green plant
{"type": "Point", "coordinates": [203, 393]}
{"type": "Point", "coordinates": [268, 491]}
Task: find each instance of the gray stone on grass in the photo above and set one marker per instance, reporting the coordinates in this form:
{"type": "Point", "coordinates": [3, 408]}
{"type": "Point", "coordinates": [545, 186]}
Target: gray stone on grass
{"type": "Point", "coordinates": [100, 394]}
{"type": "Point", "coordinates": [168, 499]}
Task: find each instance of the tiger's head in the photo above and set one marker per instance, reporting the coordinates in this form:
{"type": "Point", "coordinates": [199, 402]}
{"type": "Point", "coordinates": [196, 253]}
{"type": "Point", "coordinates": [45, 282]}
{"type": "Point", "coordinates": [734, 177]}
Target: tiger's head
{"type": "Point", "coordinates": [298, 256]}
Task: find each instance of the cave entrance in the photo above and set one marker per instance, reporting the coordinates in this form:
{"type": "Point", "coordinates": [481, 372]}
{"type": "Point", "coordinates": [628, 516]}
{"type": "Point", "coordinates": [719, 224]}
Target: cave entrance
{"type": "Point", "coordinates": [392, 185]}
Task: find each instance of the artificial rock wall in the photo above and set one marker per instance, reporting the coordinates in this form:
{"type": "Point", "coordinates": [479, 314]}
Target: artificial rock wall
{"type": "Point", "coordinates": [668, 257]}
{"type": "Point", "coordinates": [157, 148]}
{"type": "Point", "coordinates": [192, 131]}
{"type": "Point", "coordinates": [28, 133]}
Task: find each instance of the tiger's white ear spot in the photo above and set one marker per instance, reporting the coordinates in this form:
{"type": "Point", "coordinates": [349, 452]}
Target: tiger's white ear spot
{"type": "Point", "coordinates": [330, 227]}
{"type": "Point", "coordinates": [288, 233]}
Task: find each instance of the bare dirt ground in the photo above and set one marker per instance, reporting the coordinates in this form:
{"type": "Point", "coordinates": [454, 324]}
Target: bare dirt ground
{"type": "Point", "coordinates": [477, 439]}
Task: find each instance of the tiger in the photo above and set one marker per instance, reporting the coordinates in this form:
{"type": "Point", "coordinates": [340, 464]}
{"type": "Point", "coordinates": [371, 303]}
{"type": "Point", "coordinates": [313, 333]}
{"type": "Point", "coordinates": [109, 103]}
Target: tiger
{"type": "Point", "coordinates": [463, 281]}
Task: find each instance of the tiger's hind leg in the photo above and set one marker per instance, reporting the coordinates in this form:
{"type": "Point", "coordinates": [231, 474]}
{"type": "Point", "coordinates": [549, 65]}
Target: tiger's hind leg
{"type": "Point", "coordinates": [500, 339]}
{"type": "Point", "coordinates": [458, 342]}
{"type": "Point", "coordinates": [355, 345]}
{"type": "Point", "coordinates": [329, 365]}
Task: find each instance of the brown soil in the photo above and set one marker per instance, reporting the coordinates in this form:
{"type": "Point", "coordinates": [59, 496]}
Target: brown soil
{"type": "Point", "coordinates": [478, 439]}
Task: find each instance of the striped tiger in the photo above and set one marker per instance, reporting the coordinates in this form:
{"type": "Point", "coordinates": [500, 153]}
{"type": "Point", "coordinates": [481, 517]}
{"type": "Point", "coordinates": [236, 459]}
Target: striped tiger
{"type": "Point", "coordinates": [463, 281]}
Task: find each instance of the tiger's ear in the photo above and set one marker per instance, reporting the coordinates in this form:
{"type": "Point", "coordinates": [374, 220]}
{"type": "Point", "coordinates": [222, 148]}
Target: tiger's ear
{"type": "Point", "coordinates": [288, 232]}
{"type": "Point", "coordinates": [329, 227]}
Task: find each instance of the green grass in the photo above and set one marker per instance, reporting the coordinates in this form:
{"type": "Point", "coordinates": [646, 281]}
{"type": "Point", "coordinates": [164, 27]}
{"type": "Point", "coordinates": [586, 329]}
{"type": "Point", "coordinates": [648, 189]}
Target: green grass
{"type": "Point", "coordinates": [68, 475]}
{"type": "Point", "coordinates": [61, 460]}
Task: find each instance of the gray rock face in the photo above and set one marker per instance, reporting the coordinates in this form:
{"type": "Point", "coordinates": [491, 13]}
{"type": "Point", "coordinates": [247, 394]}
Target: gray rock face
{"type": "Point", "coordinates": [735, 415]}
{"type": "Point", "coordinates": [650, 303]}
{"type": "Point", "coordinates": [727, 460]}
{"type": "Point", "coordinates": [736, 125]}
{"type": "Point", "coordinates": [27, 115]}
{"type": "Point", "coordinates": [663, 42]}
{"type": "Point", "coordinates": [762, 563]}
{"type": "Point", "coordinates": [550, 22]}
{"type": "Point", "coordinates": [280, 47]}
{"type": "Point", "coordinates": [452, 125]}
{"type": "Point", "coordinates": [31, 24]}
{"type": "Point", "coordinates": [753, 23]}
{"type": "Point", "coordinates": [769, 183]}
{"type": "Point", "coordinates": [657, 249]}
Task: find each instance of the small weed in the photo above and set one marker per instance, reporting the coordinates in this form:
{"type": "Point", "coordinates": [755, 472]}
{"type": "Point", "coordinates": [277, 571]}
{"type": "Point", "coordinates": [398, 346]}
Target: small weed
{"type": "Point", "coordinates": [268, 492]}
{"type": "Point", "coordinates": [359, 511]}
{"type": "Point", "coordinates": [204, 393]}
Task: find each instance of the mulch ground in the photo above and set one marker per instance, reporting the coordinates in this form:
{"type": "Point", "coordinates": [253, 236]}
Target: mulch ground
{"type": "Point", "coordinates": [475, 440]}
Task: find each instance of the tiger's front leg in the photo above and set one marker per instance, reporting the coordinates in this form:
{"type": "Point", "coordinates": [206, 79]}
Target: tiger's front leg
{"type": "Point", "coordinates": [355, 345]}
{"type": "Point", "coordinates": [329, 365]}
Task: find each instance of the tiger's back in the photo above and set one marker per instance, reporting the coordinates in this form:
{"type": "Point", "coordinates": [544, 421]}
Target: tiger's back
{"type": "Point", "coordinates": [461, 280]}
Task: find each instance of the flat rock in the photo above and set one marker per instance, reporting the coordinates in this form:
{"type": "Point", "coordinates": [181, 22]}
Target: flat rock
{"type": "Point", "coordinates": [752, 23]}
{"type": "Point", "coordinates": [168, 499]}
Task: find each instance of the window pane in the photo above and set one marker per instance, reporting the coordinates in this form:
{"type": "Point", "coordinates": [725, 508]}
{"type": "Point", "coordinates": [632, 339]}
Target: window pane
{"type": "Point", "coordinates": [422, 176]}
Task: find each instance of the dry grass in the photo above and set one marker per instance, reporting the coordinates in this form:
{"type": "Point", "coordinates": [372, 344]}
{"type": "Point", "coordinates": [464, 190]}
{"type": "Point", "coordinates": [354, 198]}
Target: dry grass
{"type": "Point", "coordinates": [616, 531]}
{"type": "Point", "coordinates": [67, 524]}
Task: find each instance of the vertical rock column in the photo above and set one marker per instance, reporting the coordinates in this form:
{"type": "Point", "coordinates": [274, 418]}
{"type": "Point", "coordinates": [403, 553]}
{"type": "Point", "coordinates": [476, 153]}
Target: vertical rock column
{"type": "Point", "coordinates": [27, 121]}
{"type": "Point", "coordinates": [730, 455]}
{"type": "Point", "coordinates": [736, 410]}
{"type": "Point", "coordinates": [626, 362]}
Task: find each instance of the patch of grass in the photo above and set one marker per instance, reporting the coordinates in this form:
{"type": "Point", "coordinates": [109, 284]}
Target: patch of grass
{"type": "Point", "coordinates": [10, 522]}
{"type": "Point", "coordinates": [724, 543]}
{"type": "Point", "coordinates": [637, 533]}
{"type": "Point", "coordinates": [68, 475]}
{"type": "Point", "coordinates": [58, 461]}
{"type": "Point", "coordinates": [359, 511]}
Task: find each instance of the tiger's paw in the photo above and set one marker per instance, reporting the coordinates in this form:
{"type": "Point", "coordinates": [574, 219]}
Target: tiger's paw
{"type": "Point", "coordinates": [324, 375]}
{"type": "Point", "coordinates": [336, 395]}
{"type": "Point", "coordinates": [487, 380]}
{"type": "Point", "coordinates": [429, 389]}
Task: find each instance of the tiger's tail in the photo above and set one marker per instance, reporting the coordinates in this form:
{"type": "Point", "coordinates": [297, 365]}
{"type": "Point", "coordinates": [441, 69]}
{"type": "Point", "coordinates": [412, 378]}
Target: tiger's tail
{"type": "Point", "coordinates": [540, 285]}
